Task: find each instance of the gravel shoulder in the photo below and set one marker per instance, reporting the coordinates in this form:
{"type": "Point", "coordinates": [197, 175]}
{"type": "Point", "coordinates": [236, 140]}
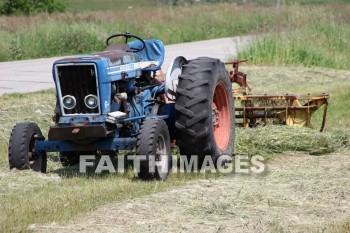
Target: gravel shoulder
{"type": "Point", "coordinates": [298, 193]}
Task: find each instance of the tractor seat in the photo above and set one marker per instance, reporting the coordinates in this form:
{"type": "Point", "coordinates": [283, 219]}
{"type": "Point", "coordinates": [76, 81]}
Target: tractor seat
{"type": "Point", "coordinates": [153, 52]}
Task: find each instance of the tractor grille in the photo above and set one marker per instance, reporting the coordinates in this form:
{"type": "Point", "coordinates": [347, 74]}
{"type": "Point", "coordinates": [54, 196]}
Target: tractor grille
{"type": "Point", "coordinates": [78, 81]}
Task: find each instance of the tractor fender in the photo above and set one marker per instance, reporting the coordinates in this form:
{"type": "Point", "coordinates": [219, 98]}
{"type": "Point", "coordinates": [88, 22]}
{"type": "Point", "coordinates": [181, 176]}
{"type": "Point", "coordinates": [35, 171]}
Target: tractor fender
{"type": "Point", "coordinates": [172, 76]}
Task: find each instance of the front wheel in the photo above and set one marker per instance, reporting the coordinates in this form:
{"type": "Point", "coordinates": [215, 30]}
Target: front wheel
{"type": "Point", "coordinates": [153, 143]}
{"type": "Point", "coordinates": [21, 151]}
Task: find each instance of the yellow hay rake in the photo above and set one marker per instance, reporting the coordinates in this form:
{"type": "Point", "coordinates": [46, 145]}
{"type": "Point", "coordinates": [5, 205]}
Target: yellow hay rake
{"type": "Point", "coordinates": [288, 109]}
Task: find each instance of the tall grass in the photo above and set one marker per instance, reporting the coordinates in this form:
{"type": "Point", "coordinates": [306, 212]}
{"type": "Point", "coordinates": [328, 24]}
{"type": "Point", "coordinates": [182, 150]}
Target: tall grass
{"type": "Point", "coordinates": [298, 35]}
{"type": "Point", "coordinates": [105, 5]}
{"type": "Point", "coordinates": [316, 37]}
{"type": "Point", "coordinates": [70, 33]}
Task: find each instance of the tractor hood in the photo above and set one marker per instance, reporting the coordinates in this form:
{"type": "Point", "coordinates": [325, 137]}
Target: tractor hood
{"type": "Point", "coordinates": [114, 58]}
{"type": "Point", "coordinates": [92, 75]}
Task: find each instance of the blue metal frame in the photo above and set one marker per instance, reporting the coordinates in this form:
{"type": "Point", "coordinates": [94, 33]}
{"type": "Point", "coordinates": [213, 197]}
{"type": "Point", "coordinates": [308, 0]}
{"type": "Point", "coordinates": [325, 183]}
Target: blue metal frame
{"type": "Point", "coordinates": [105, 144]}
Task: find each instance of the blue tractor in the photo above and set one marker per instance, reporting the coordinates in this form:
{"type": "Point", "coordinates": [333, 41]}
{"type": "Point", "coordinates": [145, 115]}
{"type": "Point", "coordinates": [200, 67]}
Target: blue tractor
{"type": "Point", "coordinates": [112, 100]}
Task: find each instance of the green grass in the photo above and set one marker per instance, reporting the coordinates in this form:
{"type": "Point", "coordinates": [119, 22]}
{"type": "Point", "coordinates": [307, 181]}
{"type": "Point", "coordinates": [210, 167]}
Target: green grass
{"type": "Point", "coordinates": [117, 5]}
{"type": "Point", "coordinates": [78, 6]}
{"type": "Point", "coordinates": [44, 35]}
{"type": "Point", "coordinates": [108, 5]}
{"type": "Point", "coordinates": [69, 33]}
{"type": "Point", "coordinates": [314, 1]}
{"type": "Point", "coordinates": [318, 38]}
{"type": "Point", "coordinates": [290, 2]}
{"type": "Point", "coordinates": [121, 5]}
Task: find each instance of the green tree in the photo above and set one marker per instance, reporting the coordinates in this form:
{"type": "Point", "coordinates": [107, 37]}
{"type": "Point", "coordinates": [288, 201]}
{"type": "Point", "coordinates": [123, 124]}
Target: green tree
{"type": "Point", "coordinates": [27, 7]}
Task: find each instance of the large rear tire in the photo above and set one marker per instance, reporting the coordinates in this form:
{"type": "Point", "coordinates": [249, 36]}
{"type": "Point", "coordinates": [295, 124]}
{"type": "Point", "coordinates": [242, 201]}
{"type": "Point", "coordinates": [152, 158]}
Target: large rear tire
{"type": "Point", "coordinates": [153, 142]}
{"type": "Point", "coordinates": [205, 119]}
{"type": "Point", "coordinates": [21, 151]}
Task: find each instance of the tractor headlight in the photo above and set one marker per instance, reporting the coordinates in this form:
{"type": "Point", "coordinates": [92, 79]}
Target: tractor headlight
{"type": "Point", "coordinates": [69, 102]}
{"type": "Point", "coordinates": [91, 101]}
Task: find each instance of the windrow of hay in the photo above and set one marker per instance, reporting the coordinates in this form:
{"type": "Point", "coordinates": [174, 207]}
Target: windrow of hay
{"type": "Point", "coordinates": [272, 140]}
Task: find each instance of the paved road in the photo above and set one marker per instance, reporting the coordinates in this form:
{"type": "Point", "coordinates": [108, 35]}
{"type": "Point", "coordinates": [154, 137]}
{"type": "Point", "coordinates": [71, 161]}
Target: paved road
{"type": "Point", "coordinates": [34, 75]}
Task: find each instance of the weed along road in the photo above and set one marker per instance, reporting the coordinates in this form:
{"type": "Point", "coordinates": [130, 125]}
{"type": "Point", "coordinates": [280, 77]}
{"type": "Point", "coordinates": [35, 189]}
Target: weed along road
{"type": "Point", "coordinates": [34, 75]}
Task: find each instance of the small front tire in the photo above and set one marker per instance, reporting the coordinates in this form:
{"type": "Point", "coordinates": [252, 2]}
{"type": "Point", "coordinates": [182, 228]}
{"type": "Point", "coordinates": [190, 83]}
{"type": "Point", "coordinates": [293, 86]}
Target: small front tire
{"type": "Point", "coordinates": [153, 142]}
{"type": "Point", "coordinates": [21, 151]}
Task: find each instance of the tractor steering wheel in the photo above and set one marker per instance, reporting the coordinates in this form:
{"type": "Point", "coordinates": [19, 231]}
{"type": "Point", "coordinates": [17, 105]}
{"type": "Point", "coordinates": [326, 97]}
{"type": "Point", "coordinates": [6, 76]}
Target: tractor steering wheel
{"type": "Point", "coordinates": [127, 36]}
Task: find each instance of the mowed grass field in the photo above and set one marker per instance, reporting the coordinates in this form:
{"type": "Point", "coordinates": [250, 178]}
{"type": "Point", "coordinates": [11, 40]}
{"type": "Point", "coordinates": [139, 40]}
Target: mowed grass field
{"type": "Point", "coordinates": [28, 198]}
{"type": "Point", "coordinates": [304, 49]}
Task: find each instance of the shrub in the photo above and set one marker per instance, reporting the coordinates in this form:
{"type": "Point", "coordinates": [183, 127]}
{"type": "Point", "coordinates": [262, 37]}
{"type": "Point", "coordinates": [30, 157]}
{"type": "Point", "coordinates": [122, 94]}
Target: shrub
{"type": "Point", "coordinates": [31, 6]}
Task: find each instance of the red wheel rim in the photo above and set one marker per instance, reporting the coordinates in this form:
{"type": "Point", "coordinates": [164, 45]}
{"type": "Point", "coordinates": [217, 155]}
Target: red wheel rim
{"type": "Point", "coordinates": [221, 117]}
